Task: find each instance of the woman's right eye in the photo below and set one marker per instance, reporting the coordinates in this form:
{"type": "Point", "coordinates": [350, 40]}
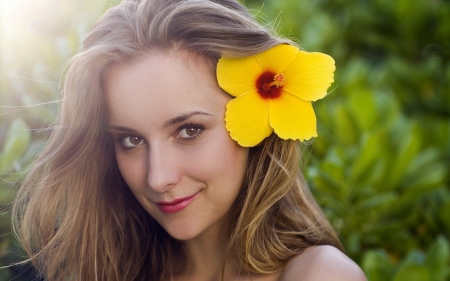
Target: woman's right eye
{"type": "Point", "coordinates": [129, 142]}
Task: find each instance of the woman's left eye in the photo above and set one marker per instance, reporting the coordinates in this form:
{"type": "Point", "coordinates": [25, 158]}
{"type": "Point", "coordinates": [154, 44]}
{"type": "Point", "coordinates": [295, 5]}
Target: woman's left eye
{"type": "Point", "coordinates": [190, 132]}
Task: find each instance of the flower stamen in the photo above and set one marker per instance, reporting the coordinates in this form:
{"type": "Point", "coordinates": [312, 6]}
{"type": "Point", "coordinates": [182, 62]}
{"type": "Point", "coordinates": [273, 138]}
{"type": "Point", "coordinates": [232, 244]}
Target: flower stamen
{"type": "Point", "coordinates": [278, 81]}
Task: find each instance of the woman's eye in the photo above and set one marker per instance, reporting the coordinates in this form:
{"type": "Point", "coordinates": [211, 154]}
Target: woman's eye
{"type": "Point", "coordinates": [131, 141]}
{"type": "Point", "coordinates": [190, 132]}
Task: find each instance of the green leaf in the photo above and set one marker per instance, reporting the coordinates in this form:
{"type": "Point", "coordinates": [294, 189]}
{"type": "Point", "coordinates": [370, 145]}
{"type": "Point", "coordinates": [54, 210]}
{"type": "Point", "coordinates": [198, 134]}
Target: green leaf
{"type": "Point", "coordinates": [368, 151]}
{"type": "Point", "coordinates": [377, 266]}
{"type": "Point", "coordinates": [362, 106]}
{"type": "Point", "coordinates": [413, 272]}
{"type": "Point", "coordinates": [16, 141]}
{"type": "Point", "coordinates": [413, 268]}
{"type": "Point", "coordinates": [438, 259]}
{"type": "Point", "coordinates": [345, 129]}
{"type": "Point", "coordinates": [408, 143]}
{"type": "Point", "coordinates": [385, 198]}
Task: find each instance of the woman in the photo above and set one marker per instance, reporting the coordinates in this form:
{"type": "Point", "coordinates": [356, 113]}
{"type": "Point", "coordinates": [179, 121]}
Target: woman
{"type": "Point", "coordinates": [143, 179]}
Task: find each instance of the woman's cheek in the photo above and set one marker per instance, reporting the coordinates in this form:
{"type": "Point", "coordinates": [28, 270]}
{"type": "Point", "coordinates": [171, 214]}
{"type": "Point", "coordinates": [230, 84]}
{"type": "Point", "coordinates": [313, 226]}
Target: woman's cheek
{"type": "Point", "coordinates": [133, 169]}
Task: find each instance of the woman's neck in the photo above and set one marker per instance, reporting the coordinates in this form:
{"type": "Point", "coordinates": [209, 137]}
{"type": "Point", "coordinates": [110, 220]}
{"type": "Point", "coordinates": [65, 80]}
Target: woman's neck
{"type": "Point", "coordinates": [204, 256]}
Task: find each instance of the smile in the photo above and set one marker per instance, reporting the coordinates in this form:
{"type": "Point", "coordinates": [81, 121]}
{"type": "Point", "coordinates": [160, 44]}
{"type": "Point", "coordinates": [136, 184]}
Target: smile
{"type": "Point", "coordinates": [176, 205]}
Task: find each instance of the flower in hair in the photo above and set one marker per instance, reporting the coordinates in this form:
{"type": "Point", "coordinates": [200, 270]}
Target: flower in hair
{"type": "Point", "coordinates": [274, 92]}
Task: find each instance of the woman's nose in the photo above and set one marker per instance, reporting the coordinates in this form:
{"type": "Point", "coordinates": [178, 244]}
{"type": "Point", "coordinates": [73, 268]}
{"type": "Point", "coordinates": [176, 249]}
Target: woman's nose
{"type": "Point", "coordinates": [163, 173]}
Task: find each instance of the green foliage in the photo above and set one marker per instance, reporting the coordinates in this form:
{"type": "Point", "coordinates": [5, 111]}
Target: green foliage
{"type": "Point", "coordinates": [13, 161]}
{"type": "Point", "coordinates": [417, 265]}
{"type": "Point", "coordinates": [380, 166]}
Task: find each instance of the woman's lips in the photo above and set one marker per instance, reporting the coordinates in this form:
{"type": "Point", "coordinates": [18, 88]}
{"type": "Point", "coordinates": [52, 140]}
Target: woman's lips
{"type": "Point", "coordinates": [176, 205]}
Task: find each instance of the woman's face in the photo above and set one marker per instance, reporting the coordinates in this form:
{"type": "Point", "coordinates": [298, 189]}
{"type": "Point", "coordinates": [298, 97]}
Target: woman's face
{"type": "Point", "coordinates": [166, 114]}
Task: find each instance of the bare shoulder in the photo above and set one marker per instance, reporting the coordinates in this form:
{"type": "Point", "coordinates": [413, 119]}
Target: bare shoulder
{"type": "Point", "coordinates": [322, 263]}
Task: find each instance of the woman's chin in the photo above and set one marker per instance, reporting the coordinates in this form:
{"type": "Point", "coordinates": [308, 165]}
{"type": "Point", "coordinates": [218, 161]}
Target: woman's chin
{"type": "Point", "coordinates": [182, 233]}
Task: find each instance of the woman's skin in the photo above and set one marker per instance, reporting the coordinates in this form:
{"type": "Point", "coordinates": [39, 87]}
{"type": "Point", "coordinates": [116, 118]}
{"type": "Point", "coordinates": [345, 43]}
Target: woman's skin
{"type": "Point", "coordinates": [166, 114]}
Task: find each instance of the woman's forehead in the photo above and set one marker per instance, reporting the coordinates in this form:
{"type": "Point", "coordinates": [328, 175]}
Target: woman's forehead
{"type": "Point", "coordinates": [162, 85]}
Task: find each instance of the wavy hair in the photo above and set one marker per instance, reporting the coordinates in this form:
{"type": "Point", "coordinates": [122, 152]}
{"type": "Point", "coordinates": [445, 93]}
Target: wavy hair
{"type": "Point", "coordinates": [75, 215]}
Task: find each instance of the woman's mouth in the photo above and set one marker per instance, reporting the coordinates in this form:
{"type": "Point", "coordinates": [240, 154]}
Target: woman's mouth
{"type": "Point", "coordinates": [176, 205]}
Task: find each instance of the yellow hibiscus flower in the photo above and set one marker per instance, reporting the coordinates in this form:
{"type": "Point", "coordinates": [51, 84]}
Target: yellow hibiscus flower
{"type": "Point", "coordinates": [274, 91]}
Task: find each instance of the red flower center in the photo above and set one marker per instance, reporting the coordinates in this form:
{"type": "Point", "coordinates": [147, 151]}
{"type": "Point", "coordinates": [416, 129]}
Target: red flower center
{"type": "Point", "coordinates": [269, 85]}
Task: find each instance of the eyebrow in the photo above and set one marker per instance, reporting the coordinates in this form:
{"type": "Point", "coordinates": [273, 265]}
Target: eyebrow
{"type": "Point", "coordinates": [166, 124]}
{"type": "Point", "coordinates": [183, 117]}
{"type": "Point", "coordinates": [122, 128]}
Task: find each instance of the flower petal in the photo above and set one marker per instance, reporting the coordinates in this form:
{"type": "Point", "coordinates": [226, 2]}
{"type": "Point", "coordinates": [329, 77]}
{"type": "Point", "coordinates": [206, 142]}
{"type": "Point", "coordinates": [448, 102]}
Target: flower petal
{"type": "Point", "coordinates": [309, 75]}
{"type": "Point", "coordinates": [247, 119]}
{"type": "Point", "coordinates": [237, 76]}
{"type": "Point", "coordinates": [292, 118]}
{"type": "Point", "coordinates": [276, 59]}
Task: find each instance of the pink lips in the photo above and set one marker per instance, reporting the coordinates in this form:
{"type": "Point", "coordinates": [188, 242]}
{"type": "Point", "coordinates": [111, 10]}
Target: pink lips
{"type": "Point", "coordinates": [176, 205]}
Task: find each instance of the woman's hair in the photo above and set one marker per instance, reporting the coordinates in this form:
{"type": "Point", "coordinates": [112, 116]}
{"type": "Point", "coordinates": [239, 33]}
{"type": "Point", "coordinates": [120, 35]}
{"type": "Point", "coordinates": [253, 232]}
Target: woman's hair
{"type": "Point", "coordinates": [74, 213]}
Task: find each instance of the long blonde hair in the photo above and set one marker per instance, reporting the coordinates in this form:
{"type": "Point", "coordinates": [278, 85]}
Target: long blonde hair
{"type": "Point", "coordinates": [75, 215]}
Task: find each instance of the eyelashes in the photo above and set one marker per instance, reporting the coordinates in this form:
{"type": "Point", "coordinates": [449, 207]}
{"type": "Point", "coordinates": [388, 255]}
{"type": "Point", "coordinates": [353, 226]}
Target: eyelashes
{"type": "Point", "coordinates": [129, 142]}
{"type": "Point", "coordinates": [189, 131]}
{"type": "Point", "coordinates": [186, 132]}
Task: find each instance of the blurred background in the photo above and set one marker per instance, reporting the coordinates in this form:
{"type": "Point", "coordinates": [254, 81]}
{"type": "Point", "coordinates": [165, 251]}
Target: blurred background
{"type": "Point", "coordinates": [380, 166]}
